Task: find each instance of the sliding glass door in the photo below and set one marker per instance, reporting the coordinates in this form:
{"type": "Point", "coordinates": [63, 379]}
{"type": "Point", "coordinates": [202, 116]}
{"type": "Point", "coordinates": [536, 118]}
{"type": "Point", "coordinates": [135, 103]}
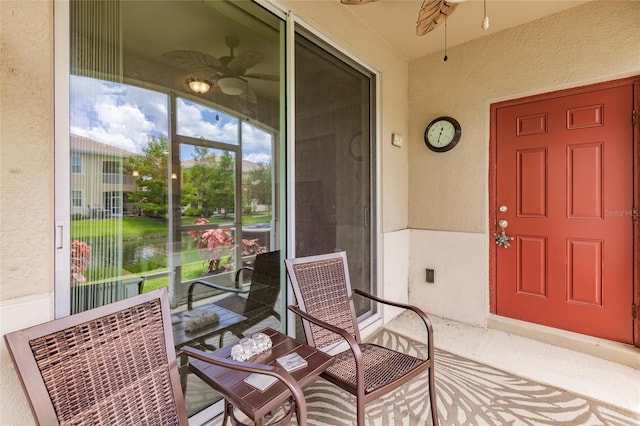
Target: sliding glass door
{"type": "Point", "coordinates": [176, 136]}
{"type": "Point", "coordinates": [334, 180]}
{"type": "Point", "coordinates": [176, 148]}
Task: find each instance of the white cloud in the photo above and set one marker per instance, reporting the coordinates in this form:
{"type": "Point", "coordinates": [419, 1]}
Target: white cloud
{"type": "Point", "coordinates": [256, 144]}
{"type": "Point", "coordinates": [127, 117]}
{"type": "Point", "coordinates": [192, 122]}
{"type": "Point", "coordinates": [259, 158]}
{"type": "Point", "coordinates": [117, 115]}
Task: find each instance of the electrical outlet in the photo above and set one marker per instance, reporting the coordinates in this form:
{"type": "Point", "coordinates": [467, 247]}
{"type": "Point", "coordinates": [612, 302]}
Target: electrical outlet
{"type": "Point", "coordinates": [431, 276]}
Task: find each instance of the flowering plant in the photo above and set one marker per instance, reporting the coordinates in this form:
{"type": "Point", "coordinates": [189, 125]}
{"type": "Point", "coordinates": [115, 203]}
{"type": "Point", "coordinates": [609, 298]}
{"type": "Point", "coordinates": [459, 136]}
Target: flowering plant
{"type": "Point", "coordinates": [79, 261]}
{"type": "Point", "coordinates": [214, 243]}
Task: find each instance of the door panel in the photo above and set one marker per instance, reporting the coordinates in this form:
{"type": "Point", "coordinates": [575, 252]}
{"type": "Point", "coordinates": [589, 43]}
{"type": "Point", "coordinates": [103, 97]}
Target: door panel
{"type": "Point", "coordinates": [565, 174]}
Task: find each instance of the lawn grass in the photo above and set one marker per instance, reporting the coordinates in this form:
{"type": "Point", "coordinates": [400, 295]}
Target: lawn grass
{"type": "Point", "coordinates": [132, 228]}
{"type": "Point", "coordinates": [190, 271]}
{"type": "Point", "coordinates": [138, 231]}
{"type": "Point", "coordinates": [139, 227]}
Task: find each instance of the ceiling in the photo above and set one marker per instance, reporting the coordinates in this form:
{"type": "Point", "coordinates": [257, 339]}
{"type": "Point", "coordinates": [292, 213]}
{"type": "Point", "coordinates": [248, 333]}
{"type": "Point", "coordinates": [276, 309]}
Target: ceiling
{"type": "Point", "coordinates": [395, 21]}
{"type": "Point", "coordinates": [188, 25]}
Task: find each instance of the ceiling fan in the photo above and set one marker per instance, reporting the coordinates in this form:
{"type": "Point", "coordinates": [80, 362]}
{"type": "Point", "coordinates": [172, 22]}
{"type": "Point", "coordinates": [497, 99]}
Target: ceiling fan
{"type": "Point", "coordinates": [431, 15]}
{"type": "Point", "coordinates": [227, 73]}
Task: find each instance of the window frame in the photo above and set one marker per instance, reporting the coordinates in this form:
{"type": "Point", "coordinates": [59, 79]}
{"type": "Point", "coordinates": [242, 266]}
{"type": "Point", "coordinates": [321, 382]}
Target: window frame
{"type": "Point", "coordinates": [76, 164]}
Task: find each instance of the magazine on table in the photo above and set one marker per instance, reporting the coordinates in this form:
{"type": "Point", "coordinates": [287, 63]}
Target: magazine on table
{"type": "Point", "coordinates": [292, 361]}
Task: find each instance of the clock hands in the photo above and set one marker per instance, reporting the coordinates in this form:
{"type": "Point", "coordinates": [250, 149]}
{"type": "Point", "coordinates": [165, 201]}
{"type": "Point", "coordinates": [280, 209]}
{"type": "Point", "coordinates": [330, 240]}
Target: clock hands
{"type": "Point", "coordinates": [439, 134]}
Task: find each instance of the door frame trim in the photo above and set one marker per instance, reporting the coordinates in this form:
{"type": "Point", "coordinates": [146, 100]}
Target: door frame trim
{"type": "Point", "coordinates": [492, 220]}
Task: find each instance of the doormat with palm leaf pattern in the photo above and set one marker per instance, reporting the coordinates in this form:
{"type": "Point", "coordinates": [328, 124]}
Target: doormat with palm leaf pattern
{"type": "Point", "coordinates": [468, 393]}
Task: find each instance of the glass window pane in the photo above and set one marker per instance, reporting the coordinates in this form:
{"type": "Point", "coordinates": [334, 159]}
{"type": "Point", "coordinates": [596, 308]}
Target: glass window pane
{"type": "Point", "coordinates": [207, 202]}
{"type": "Point", "coordinates": [167, 186]}
{"type": "Point", "coordinates": [115, 135]}
{"type": "Point", "coordinates": [76, 164]}
{"type": "Point", "coordinates": [202, 122]}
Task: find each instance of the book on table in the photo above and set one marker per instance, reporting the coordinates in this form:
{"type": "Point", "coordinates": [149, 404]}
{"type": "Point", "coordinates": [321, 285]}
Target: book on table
{"type": "Point", "coordinates": [289, 362]}
{"type": "Point", "coordinates": [292, 361]}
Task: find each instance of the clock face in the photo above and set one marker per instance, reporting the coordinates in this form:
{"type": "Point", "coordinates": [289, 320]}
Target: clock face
{"type": "Point", "coordinates": [442, 134]}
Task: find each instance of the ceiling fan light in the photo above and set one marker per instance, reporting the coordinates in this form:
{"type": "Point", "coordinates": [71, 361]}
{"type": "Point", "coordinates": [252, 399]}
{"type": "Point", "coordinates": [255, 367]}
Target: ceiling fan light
{"type": "Point", "coordinates": [199, 86]}
{"type": "Point", "coordinates": [231, 86]}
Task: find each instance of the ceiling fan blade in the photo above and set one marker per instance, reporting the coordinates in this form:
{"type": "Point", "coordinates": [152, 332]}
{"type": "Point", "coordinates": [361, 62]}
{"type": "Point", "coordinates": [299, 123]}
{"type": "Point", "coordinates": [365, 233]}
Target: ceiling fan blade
{"type": "Point", "coordinates": [356, 2]}
{"type": "Point", "coordinates": [194, 60]}
{"type": "Point", "coordinates": [432, 14]}
{"type": "Point", "coordinates": [245, 60]}
{"type": "Point", "coordinates": [259, 76]}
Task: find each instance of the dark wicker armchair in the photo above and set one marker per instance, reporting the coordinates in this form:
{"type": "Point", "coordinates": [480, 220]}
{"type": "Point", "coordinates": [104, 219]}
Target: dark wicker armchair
{"type": "Point", "coordinates": [114, 365]}
{"type": "Point", "coordinates": [109, 365]}
{"type": "Point", "coordinates": [325, 304]}
{"type": "Point", "coordinates": [260, 300]}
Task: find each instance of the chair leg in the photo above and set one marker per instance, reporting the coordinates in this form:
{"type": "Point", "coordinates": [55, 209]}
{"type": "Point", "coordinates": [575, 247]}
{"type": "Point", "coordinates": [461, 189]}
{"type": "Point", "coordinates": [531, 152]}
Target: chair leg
{"type": "Point", "coordinates": [432, 397]}
{"type": "Point", "coordinates": [360, 411]}
{"type": "Point", "coordinates": [183, 370]}
{"type": "Point", "coordinates": [227, 409]}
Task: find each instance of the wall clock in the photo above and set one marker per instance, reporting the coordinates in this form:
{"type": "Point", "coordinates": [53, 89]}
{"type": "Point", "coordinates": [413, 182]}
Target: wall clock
{"type": "Point", "coordinates": [442, 134]}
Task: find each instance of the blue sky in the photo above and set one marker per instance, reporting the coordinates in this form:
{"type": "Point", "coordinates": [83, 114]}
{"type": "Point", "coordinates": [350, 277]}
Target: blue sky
{"type": "Point", "coordinates": [126, 117]}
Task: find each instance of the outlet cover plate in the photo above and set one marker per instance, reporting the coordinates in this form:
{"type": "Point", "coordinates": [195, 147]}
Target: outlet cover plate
{"type": "Point", "coordinates": [430, 276]}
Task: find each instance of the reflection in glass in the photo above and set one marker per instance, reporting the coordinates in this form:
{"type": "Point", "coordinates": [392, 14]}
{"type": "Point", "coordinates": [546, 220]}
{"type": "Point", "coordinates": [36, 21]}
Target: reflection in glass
{"type": "Point", "coordinates": [199, 121]}
{"type": "Point", "coordinates": [168, 186]}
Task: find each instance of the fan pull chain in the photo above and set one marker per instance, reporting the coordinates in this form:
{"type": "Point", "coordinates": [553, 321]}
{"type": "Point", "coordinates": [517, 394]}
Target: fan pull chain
{"type": "Point", "coordinates": [445, 38]}
{"type": "Point", "coordinates": [485, 21]}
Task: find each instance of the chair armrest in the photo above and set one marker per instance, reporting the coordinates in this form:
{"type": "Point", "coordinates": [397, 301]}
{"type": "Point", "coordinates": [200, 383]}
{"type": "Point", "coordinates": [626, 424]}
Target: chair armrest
{"type": "Point", "coordinates": [210, 285]}
{"type": "Point", "coordinates": [276, 371]}
{"type": "Point", "coordinates": [353, 344]}
{"type": "Point", "coordinates": [247, 268]}
{"type": "Point", "coordinates": [423, 316]}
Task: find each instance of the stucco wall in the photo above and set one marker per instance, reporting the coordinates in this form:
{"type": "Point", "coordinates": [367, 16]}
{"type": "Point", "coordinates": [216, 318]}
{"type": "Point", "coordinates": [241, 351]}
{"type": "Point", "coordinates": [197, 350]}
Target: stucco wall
{"type": "Point", "coordinates": [593, 42]}
{"type": "Point", "coordinates": [26, 158]}
{"type": "Point", "coordinates": [26, 182]}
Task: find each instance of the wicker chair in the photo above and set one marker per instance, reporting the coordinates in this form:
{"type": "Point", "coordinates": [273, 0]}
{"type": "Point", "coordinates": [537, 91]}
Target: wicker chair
{"type": "Point", "coordinates": [325, 304]}
{"type": "Point", "coordinates": [113, 365]}
{"type": "Point", "coordinates": [260, 300]}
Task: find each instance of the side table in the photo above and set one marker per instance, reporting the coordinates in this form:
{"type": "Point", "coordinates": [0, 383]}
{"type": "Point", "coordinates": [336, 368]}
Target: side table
{"type": "Point", "coordinates": [252, 402]}
{"type": "Point", "coordinates": [181, 337]}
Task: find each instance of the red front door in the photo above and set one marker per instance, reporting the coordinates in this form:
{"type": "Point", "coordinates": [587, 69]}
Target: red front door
{"type": "Point", "coordinates": [564, 184]}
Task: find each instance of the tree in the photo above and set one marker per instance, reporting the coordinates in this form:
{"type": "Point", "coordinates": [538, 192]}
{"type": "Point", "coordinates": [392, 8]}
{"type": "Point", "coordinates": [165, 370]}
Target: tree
{"type": "Point", "coordinates": [258, 185]}
{"type": "Point", "coordinates": [151, 196]}
{"type": "Point", "coordinates": [209, 183]}
{"type": "Point", "coordinates": [223, 191]}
